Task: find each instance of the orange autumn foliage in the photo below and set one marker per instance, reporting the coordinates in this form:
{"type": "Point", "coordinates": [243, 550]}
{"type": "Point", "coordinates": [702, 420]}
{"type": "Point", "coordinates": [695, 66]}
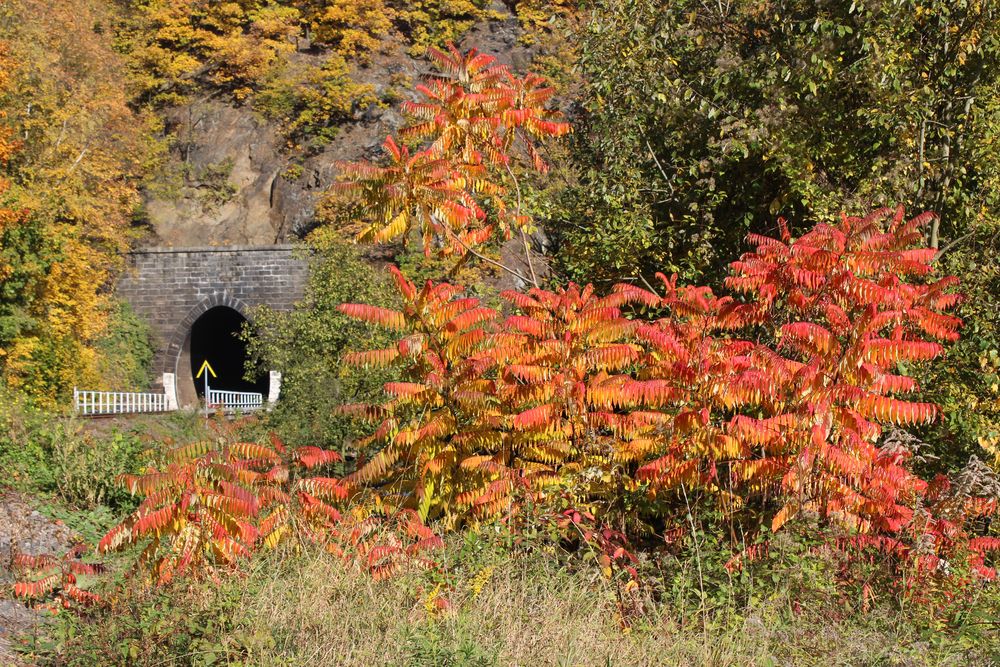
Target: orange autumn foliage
{"type": "Point", "coordinates": [576, 391]}
{"type": "Point", "coordinates": [476, 119]}
{"type": "Point", "coordinates": [80, 152]}
{"type": "Point", "coordinates": [49, 576]}
{"type": "Point", "coordinates": [212, 504]}
{"type": "Point", "coordinates": [621, 407]}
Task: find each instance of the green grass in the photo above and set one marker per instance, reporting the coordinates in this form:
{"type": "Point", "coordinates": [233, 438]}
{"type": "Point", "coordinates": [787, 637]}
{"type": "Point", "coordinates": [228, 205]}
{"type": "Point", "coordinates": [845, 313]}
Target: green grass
{"type": "Point", "coordinates": [67, 467]}
{"type": "Point", "coordinates": [77, 460]}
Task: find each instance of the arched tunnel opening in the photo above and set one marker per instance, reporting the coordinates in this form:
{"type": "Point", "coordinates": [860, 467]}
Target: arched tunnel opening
{"type": "Point", "coordinates": [215, 338]}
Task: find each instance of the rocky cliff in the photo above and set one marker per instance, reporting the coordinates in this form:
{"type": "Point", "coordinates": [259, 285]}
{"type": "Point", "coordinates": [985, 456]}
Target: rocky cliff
{"type": "Point", "coordinates": [232, 177]}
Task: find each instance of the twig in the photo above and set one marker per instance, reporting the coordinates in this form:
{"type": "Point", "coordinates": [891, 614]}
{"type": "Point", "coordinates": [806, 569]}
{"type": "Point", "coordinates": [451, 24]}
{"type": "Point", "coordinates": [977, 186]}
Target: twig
{"type": "Point", "coordinates": [951, 244]}
{"type": "Point", "coordinates": [697, 554]}
{"type": "Point", "coordinates": [62, 134]}
{"type": "Point", "coordinates": [657, 161]}
{"type": "Point", "coordinates": [524, 237]}
{"type": "Point", "coordinates": [920, 160]}
{"type": "Point", "coordinates": [527, 256]}
{"type": "Point", "coordinates": [488, 260]}
{"type": "Point", "coordinates": [646, 283]}
{"type": "Point", "coordinates": [76, 162]}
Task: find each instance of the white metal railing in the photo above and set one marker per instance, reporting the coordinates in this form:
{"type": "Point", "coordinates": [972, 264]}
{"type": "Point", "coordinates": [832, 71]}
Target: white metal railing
{"type": "Point", "coordinates": [236, 401]}
{"type": "Point", "coordinates": [87, 402]}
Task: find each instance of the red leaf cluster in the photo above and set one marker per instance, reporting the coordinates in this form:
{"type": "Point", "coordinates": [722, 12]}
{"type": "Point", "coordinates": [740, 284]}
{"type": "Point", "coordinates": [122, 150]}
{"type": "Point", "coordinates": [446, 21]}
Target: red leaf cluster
{"type": "Point", "coordinates": [212, 503]}
{"type": "Point", "coordinates": [581, 390]}
{"type": "Point", "coordinates": [56, 577]}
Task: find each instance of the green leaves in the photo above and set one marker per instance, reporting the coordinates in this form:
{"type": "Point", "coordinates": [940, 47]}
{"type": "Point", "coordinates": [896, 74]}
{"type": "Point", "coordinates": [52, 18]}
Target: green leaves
{"type": "Point", "coordinates": [699, 119]}
{"type": "Point", "coordinates": [308, 343]}
{"type": "Point", "coordinates": [703, 125]}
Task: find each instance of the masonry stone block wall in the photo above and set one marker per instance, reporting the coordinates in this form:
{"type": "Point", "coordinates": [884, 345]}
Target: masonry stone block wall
{"type": "Point", "coordinates": [171, 287]}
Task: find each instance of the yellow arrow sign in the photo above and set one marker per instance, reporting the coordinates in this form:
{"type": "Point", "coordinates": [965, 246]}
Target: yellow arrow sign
{"type": "Point", "coordinates": [205, 365]}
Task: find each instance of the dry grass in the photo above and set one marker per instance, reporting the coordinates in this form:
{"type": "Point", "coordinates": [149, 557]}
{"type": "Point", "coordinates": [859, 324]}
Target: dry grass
{"type": "Point", "coordinates": [529, 612]}
{"type": "Point", "coordinates": [532, 609]}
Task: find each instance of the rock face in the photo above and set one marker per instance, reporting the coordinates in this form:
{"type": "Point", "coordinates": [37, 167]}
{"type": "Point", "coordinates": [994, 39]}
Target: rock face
{"type": "Point", "coordinates": [23, 529]}
{"type": "Point", "coordinates": [230, 180]}
{"type": "Point", "coordinates": [238, 188]}
{"type": "Point", "coordinates": [230, 163]}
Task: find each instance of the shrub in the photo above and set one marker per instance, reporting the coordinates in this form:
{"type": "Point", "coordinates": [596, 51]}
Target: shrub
{"type": "Point", "coordinates": [700, 124]}
{"type": "Point", "coordinates": [634, 416]}
{"type": "Point", "coordinates": [191, 625]}
{"type": "Point", "coordinates": [312, 103]}
{"type": "Point", "coordinates": [211, 504]}
{"type": "Point", "coordinates": [56, 575]}
{"type": "Point", "coordinates": [429, 23]}
{"type": "Point", "coordinates": [351, 27]}
{"type": "Point", "coordinates": [307, 343]}
{"type": "Point", "coordinates": [27, 436]}
{"type": "Point", "coordinates": [175, 44]}
{"type": "Point", "coordinates": [86, 467]}
{"type": "Point", "coordinates": [125, 351]}
{"type": "Point", "coordinates": [49, 453]}
{"type": "Point", "coordinates": [477, 118]}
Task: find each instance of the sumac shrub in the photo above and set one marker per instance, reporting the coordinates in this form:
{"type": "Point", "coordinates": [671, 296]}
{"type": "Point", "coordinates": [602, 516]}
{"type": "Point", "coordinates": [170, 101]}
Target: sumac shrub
{"type": "Point", "coordinates": [771, 403]}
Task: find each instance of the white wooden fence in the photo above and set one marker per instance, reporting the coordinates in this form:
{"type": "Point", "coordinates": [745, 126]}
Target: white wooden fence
{"type": "Point", "coordinates": [233, 401]}
{"type": "Point", "coordinates": [99, 403]}
{"type": "Point", "coordinates": [118, 402]}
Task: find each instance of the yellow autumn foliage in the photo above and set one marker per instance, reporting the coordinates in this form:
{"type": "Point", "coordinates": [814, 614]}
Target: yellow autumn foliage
{"type": "Point", "coordinates": [436, 22]}
{"type": "Point", "coordinates": [79, 84]}
{"type": "Point", "coordinates": [352, 27]}
{"type": "Point", "coordinates": [173, 45]}
{"type": "Point", "coordinates": [176, 46]}
{"type": "Point", "coordinates": [71, 192]}
{"type": "Point", "coordinates": [9, 217]}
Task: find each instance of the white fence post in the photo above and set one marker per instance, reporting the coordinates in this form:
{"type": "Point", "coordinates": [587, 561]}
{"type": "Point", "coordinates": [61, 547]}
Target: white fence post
{"type": "Point", "coordinates": [233, 401]}
{"type": "Point", "coordinates": [90, 403]}
{"type": "Point", "coordinates": [170, 391]}
{"type": "Point", "coordinates": [273, 388]}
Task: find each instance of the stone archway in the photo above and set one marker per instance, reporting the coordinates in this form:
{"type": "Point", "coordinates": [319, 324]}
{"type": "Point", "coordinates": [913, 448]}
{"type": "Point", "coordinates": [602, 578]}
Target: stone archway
{"type": "Point", "coordinates": [170, 288]}
{"type": "Point", "coordinates": [216, 318]}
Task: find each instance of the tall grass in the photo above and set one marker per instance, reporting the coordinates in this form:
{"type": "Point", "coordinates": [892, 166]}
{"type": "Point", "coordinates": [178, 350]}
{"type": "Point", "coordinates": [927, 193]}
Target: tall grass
{"type": "Point", "coordinates": [533, 609]}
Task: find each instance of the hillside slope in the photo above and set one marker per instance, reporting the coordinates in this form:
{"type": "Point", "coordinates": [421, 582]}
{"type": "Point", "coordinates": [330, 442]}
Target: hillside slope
{"type": "Point", "coordinates": [234, 176]}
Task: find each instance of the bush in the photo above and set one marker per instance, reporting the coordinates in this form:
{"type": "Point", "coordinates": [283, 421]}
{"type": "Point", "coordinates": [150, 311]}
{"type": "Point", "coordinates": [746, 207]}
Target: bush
{"type": "Point", "coordinates": [435, 22]}
{"type": "Point", "coordinates": [704, 123]}
{"type": "Point", "coordinates": [314, 102]}
{"type": "Point", "coordinates": [637, 418]}
{"type": "Point", "coordinates": [53, 454]}
{"type": "Point", "coordinates": [352, 27]}
{"type": "Point", "coordinates": [125, 351]}
{"type": "Point", "coordinates": [307, 344]}
{"type": "Point", "coordinates": [191, 625]}
{"type": "Point", "coordinates": [85, 467]}
{"type": "Point", "coordinates": [27, 436]}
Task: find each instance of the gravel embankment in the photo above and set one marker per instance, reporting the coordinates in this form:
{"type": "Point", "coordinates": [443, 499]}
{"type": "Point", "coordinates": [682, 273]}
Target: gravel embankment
{"type": "Point", "coordinates": [23, 529]}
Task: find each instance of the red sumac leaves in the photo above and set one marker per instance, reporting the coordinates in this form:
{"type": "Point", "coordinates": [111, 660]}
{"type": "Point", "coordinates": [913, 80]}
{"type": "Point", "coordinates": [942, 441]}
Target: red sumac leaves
{"type": "Point", "coordinates": [573, 389]}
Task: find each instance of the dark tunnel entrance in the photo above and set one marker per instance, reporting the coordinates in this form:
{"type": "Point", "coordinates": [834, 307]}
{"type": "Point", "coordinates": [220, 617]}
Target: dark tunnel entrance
{"type": "Point", "coordinates": [215, 337]}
